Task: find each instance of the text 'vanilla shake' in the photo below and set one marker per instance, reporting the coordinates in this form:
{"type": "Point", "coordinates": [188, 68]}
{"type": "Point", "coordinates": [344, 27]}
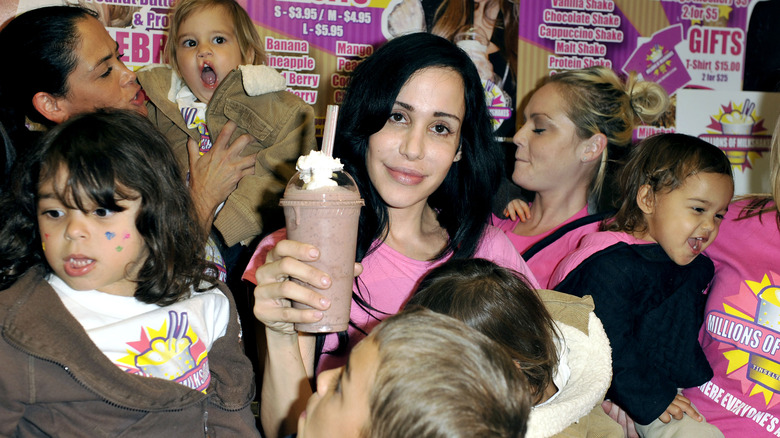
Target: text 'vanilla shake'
{"type": "Point", "coordinates": [322, 208]}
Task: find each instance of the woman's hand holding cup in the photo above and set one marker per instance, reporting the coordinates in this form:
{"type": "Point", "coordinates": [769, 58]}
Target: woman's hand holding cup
{"type": "Point", "coordinates": [275, 292]}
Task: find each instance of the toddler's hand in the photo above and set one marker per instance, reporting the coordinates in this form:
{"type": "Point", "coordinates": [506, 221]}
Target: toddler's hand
{"type": "Point", "coordinates": [620, 416]}
{"type": "Point", "coordinates": [517, 208]}
{"type": "Point", "coordinates": [680, 405]}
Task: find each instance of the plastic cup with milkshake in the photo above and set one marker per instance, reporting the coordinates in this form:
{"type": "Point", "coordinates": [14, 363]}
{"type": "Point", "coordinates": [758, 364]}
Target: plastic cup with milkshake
{"type": "Point", "coordinates": [322, 208]}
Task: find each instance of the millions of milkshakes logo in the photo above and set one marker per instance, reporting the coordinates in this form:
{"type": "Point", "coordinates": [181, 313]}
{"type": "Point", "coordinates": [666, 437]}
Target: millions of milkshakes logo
{"type": "Point", "coordinates": [659, 64]}
{"type": "Point", "coordinates": [498, 102]}
{"type": "Point", "coordinates": [751, 344]}
{"type": "Point", "coordinates": [171, 352]}
{"type": "Point", "coordinates": [739, 131]}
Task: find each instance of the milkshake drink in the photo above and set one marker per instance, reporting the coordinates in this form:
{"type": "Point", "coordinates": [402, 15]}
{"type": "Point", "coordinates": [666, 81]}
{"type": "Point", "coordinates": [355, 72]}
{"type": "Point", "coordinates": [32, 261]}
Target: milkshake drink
{"type": "Point", "coordinates": [473, 41]}
{"type": "Point", "coordinates": [322, 208]}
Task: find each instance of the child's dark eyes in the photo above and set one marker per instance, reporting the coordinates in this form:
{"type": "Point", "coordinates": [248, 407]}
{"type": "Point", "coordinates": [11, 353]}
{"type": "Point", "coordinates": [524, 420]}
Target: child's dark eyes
{"type": "Point", "coordinates": [219, 40]}
{"type": "Point", "coordinates": [538, 130]}
{"type": "Point", "coordinates": [54, 214]}
{"type": "Point", "coordinates": [720, 216]}
{"type": "Point", "coordinates": [698, 209]}
{"type": "Point", "coordinates": [188, 43]}
{"type": "Point", "coordinates": [103, 212]}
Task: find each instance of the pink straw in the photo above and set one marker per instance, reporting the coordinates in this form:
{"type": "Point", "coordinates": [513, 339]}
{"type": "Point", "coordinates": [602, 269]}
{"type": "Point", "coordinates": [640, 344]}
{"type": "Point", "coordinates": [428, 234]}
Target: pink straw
{"type": "Point", "coordinates": [329, 133]}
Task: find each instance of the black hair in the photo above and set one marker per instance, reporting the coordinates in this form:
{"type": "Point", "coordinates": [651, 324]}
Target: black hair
{"type": "Point", "coordinates": [41, 42]}
{"type": "Point", "coordinates": [110, 155]}
{"type": "Point", "coordinates": [463, 200]}
{"type": "Point", "coordinates": [7, 158]}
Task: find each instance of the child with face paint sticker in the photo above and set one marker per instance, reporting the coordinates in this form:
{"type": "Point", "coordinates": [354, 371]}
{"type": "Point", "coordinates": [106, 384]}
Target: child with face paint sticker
{"type": "Point", "coordinates": [648, 279]}
{"type": "Point", "coordinates": [112, 320]}
{"type": "Point", "coordinates": [216, 75]}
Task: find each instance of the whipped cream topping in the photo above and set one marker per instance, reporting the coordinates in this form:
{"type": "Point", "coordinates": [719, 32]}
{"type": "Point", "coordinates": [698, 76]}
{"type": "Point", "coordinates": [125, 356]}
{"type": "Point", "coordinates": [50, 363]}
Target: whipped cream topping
{"type": "Point", "coordinates": [316, 170]}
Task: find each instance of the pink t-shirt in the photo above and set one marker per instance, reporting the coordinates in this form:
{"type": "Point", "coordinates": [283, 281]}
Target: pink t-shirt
{"type": "Point", "coordinates": [590, 244]}
{"type": "Point", "coordinates": [741, 331]}
{"type": "Point", "coordinates": [543, 263]}
{"type": "Point", "coordinates": [388, 280]}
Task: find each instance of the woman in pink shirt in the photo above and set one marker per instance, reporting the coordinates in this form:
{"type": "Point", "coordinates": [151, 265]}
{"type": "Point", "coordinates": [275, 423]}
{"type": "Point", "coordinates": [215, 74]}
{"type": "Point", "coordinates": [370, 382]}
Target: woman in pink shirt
{"type": "Point", "coordinates": [575, 124]}
{"type": "Point", "coordinates": [415, 133]}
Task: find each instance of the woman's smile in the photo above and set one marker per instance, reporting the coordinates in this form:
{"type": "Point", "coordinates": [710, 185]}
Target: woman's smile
{"type": "Point", "coordinates": [405, 176]}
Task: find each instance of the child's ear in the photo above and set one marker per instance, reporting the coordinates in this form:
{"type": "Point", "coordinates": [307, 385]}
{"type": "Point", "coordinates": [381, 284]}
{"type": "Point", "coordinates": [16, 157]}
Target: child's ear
{"type": "Point", "coordinates": [645, 199]}
{"type": "Point", "coordinates": [594, 148]}
{"type": "Point", "coordinates": [250, 56]}
{"type": "Point", "coordinates": [50, 107]}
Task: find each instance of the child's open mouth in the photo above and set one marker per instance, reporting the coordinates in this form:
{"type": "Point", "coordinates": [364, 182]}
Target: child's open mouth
{"type": "Point", "coordinates": [78, 266]}
{"type": "Point", "coordinates": [696, 244]}
{"type": "Point", "coordinates": [208, 75]}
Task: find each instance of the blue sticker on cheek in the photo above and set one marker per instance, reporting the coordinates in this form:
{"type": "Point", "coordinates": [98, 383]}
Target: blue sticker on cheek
{"type": "Point", "coordinates": [110, 235]}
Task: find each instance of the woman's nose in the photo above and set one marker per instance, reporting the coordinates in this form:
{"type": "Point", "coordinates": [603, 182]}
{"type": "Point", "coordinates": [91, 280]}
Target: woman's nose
{"type": "Point", "coordinates": [413, 146]}
{"type": "Point", "coordinates": [128, 75]}
{"type": "Point", "coordinates": [519, 139]}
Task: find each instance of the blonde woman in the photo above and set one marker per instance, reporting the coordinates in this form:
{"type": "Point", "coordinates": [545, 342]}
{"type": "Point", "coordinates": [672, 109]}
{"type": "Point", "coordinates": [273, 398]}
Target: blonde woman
{"type": "Point", "coordinates": [576, 123]}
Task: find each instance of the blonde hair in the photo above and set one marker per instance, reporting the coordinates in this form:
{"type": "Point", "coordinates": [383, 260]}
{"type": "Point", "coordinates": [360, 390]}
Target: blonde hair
{"type": "Point", "coordinates": [767, 202]}
{"type": "Point", "coordinates": [246, 33]}
{"type": "Point", "coordinates": [599, 101]}
{"type": "Point", "coordinates": [439, 378]}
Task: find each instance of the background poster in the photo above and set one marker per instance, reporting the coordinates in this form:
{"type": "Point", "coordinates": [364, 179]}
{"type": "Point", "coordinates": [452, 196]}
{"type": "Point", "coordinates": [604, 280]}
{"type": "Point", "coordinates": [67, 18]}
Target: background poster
{"type": "Point", "coordinates": [701, 51]}
{"type": "Point", "coordinates": [740, 123]}
{"type": "Point", "coordinates": [316, 44]}
{"type": "Point", "coordinates": [678, 43]}
{"type": "Point", "coordinates": [138, 26]}
{"type": "Point", "coordinates": [713, 46]}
